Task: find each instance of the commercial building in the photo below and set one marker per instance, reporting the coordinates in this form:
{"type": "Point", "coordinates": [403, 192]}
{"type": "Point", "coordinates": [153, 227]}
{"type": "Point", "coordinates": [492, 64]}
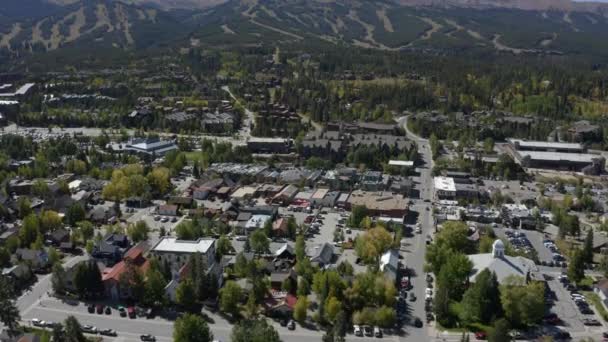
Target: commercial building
{"type": "Point", "coordinates": [269, 145]}
{"type": "Point", "coordinates": [379, 203]}
{"type": "Point", "coordinates": [150, 146]}
{"type": "Point", "coordinates": [446, 188]}
{"type": "Point", "coordinates": [555, 156]}
{"type": "Point", "coordinates": [177, 252]}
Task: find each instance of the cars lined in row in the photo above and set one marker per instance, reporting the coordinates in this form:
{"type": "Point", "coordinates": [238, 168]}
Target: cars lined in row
{"type": "Point", "coordinates": [367, 330]}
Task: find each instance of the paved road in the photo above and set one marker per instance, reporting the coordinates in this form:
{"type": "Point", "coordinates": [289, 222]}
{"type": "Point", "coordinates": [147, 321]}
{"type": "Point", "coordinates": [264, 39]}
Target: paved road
{"type": "Point", "coordinates": [415, 252]}
{"type": "Point", "coordinates": [51, 309]}
{"type": "Point", "coordinates": [30, 298]}
{"type": "Point", "coordinates": [245, 131]}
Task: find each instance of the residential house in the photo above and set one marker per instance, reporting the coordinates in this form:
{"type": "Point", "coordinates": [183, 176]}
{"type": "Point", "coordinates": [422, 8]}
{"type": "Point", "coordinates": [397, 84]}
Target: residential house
{"type": "Point", "coordinates": [107, 252]}
{"type": "Point", "coordinates": [111, 276]}
{"type": "Point", "coordinates": [58, 236]}
{"type": "Point", "coordinates": [601, 289]}
{"type": "Point", "coordinates": [280, 227]}
{"type": "Point", "coordinates": [35, 259]}
{"type": "Point", "coordinates": [168, 210]}
{"type": "Point", "coordinates": [321, 255]}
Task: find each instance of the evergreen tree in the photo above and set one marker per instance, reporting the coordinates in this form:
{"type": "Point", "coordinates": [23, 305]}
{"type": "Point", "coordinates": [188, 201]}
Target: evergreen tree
{"type": "Point", "coordinates": [9, 314]}
{"type": "Point", "coordinates": [588, 247]}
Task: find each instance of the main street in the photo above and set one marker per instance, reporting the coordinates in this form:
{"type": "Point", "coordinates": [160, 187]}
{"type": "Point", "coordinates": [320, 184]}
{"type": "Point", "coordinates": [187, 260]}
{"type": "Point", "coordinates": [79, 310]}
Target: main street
{"type": "Point", "coordinates": [415, 251]}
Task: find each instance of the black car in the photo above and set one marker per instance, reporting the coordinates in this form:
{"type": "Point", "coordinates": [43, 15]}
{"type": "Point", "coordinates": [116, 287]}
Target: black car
{"type": "Point", "coordinates": [108, 310]}
{"type": "Point", "coordinates": [91, 308]}
{"type": "Point", "coordinates": [417, 322]}
{"type": "Point", "coordinates": [147, 338]}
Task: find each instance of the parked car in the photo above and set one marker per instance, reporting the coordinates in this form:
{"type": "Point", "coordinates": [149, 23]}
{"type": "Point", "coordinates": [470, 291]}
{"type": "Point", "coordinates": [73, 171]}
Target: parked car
{"type": "Point", "coordinates": [480, 335]}
{"type": "Point", "coordinates": [108, 310]}
{"type": "Point", "coordinates": [377, 332]}
{"type": "Point", "coordinates": [369, 331]}
{"type": "Point", "coordinates": [122, 311]}
{"type": "Point", "coordinates": [89, 329]}
{"type": "Point", "coordinates": [38, 323]}
{"type": "Point", "coordinates": [108, 332]}
{"type": "Point", "coordinates": [357, 330]}
{"type": "Point", "coordinates": [99, 308]}
{"type": "Point", "coordinates": [147, 338]}
{"type": "Point", "coordinates": [591, 322]}
{"type": "Point", "coordinates": [291, 325]}
{"type": "Point", "coordinates": [417, 322]}
{"type": "Point", "coordinates": [131, 312]}
{"type": "Point", "coordinates": [91, 308]}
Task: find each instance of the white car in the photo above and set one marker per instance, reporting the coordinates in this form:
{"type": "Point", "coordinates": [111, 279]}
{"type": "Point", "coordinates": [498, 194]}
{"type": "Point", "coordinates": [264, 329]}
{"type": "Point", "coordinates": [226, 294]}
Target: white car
{"type": "Point", "coordinates": [418, 230]}
{"type": "Point", "coordinates": [357, 330]}
{"type": "Point", "coordinates": [428, 291]}
{"type": "Point", "coordinates": [38, 323]}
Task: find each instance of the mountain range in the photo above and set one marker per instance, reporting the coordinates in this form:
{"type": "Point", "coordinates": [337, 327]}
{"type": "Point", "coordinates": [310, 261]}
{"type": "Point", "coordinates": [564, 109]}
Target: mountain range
{"type": "Point", "coordinates": [509, 26]}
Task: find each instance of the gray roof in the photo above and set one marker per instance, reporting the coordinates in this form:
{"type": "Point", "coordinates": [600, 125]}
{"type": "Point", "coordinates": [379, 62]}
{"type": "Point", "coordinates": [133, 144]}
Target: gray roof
{"type": "Point", "coordinates": [321, 254]}
{"type": "Point", "coordinates": [503, 266]}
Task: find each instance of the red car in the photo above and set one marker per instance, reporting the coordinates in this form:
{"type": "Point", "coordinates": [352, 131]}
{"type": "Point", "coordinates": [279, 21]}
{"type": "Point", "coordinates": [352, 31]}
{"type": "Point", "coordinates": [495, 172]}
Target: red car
{"type": "Point", "coordinates": [131, 312]}
{"type": "Point", "coordinates": [480, 335]}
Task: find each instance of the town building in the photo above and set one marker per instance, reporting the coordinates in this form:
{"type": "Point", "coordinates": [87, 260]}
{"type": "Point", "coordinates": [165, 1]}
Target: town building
{"type": "Point", "coordinates": [502, 265]}
{"type": "Point", "coordinates": [177, 252]}
{"type": "Point", "coordinates": [379, 203]}
{"type": "Point", "coordinates": [555, 156]}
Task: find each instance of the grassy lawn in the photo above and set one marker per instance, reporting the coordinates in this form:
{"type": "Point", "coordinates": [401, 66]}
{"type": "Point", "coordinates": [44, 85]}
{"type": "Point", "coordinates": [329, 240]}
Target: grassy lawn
{"type": "Point", "coordinates": [597, 303]}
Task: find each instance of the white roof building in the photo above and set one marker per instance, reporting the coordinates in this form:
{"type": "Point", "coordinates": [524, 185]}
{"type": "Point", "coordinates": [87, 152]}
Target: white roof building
{"type": "Point", "coordinates": [389, 264]}
{"type": "Point", "coordinates": [502, 265]}
{"type": "Point", "coordinates": [256, 222]}
{"type": "Point", "coordinates": [173, 245]}
{"type": "Point", "coordinates": [444, 184]}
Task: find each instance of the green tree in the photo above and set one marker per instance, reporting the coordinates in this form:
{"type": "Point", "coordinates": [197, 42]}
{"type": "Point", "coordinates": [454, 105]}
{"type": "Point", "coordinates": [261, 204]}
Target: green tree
{"type": "Point", "coordinates": [333, 306]}
{"type": "Point", "coordinates": [73, 330]}
{"type": "Point", "coordinates": [49, 221]}
{"type": "Point", "coordinates": [138, 231]}
{"type": "Point", "coordinates": [24, 207]}
{"type": "Point", "coordinates": [587, 253]}
{"type": "Point", "coordinates": [300, 248]}
{"type": "Point", "coordinates": [500, 333]}
{"type": "Point", "coordinates": [29, 230]}
{"type": "Point", "coordinates": [299, 311]}
{"type": "Point", "coordinates": [259, 242]}
{"type": "Point", "coordinates": [191, 328]}
{"type": "Point", "coordinates": [358, 213]}
{"type": "Point", "coordinates": [254, 331]}
{"type": "Point", "coordinates": [268, 228]}
{"type": "Point", "coordinates": [75, 214]}
{"type": "Point", "coordinates": [54, 256]}
{"type": "Point", "coordinates": [372, 244]}
{"type": "Point", "coordinates": [292, 227]}
{"type": "Point", "coordinates": [185, 295]}
{"type": "Point", "coordinates": [481, 301]}
{"type": "Point", "coordinates": [9, 314]}
{"type": "Point", "coordinates": [523, 304]}
{"type": "Point", "coordinates": [230, 297]}
{"type": "Point", "coordinates": [58, 278]}
{"type": "Point", "coordinates": [132, 280]}
{"type": "Point", "coordinates": [154, 288]}
{"type": "Point", "coordinates": [159, 179]}
{"type": "Point", "coordinates": [87, 230]}
{"type": "Point", "coordinates": [385, 317]}
{"type": "Point", "coordinates": [224, 246]}
{"type": "Point", "coordinates": [576, 267]}
{"type": "Point", "coordinates": [455, 274]}
{"type": "Point", "coordinates": [453, 237]}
